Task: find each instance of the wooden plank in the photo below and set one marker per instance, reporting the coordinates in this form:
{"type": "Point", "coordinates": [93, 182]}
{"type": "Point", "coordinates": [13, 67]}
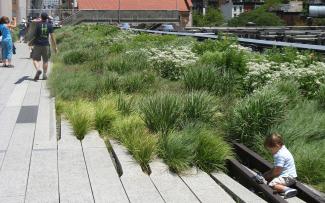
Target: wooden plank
{"type": "Point", "coordinates": [14, 171]}
{"type": "Point", "coordinates": [236, 190]}
{"type": "Point", "coordinates": [74, 185]}
{"type": "Point", "coordinates": [137, 184]}
{"type": "Point", "coordinates": [169, 184]}
{"type": "Point", "coordinates": [204, 187]}
{"type": "Point", "coordinates": [104, 179]}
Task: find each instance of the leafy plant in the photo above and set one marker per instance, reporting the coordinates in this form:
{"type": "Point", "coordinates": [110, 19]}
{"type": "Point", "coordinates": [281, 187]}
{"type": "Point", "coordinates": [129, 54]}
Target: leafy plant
{"type": "Point", "coordinates": [161, 112]}
{"type": "Point", "coordinates": [80, 115]}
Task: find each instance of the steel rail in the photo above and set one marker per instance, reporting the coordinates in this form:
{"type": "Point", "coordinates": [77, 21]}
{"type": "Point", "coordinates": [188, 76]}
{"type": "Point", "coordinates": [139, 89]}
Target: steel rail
{"type": "Point", "coordinates": [243, 41]}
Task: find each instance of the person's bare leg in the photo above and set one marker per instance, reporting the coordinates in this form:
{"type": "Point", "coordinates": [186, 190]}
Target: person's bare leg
{"type": "Point", "coordinates": [279, 188]}
{"type": "Point", "coordinates": [45, 67]}
{"type": "Point", "coordinates": [38, 69]}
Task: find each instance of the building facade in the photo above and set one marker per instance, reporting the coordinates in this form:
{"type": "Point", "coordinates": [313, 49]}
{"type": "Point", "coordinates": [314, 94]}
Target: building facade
{"type": "Point", "coordinates": [234, 8]}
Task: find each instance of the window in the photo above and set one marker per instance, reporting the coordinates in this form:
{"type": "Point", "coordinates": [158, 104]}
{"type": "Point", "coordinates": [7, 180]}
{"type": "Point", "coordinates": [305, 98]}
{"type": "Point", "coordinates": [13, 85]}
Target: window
{"type": "Point", "coordinates": [241, 9]}
{"type": "Point", "coordinates": [235, 14]}
{"type": "Point", "coordinates": [235, 8]}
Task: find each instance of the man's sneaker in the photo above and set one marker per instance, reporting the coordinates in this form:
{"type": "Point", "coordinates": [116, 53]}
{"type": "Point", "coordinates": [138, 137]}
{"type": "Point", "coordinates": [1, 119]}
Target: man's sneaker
{"type": "Point", "coordinates": [44, 76]}
{"type": "Point", "coordinates": [290, 193]}
{"type": "Point", "coordinates": [38, 73]}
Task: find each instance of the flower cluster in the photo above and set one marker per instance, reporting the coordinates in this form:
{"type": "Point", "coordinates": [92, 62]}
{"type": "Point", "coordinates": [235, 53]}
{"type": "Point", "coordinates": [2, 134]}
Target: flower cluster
{"type": "Point", "coordinates": [263, 72]}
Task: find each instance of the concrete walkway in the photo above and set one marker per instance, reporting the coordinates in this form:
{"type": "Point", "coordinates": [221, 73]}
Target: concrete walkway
{"type": "Point", "coordinates": [36, 167]}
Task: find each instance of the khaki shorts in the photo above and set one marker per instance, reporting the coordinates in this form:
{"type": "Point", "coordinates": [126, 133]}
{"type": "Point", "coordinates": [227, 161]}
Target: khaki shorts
{"type": "Point", "coordinates": [286, 181]}
{"type": "Point", "coordinates": [41, 52]}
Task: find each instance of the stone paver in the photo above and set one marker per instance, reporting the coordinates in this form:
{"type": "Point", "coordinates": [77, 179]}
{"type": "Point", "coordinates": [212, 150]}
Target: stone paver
{"type": "Point", "coordinates": [236, 189]}
{"type": "Point", "coordinates": [74, 183]}
{"type": "Point", "coordinates": [103, 176]}
{"type": "Point", "coordinates": [169, 184]}
{"type": "Point", "coordinates": [205, 188]}
{"type": "Point", "coordinates": [137, 184]}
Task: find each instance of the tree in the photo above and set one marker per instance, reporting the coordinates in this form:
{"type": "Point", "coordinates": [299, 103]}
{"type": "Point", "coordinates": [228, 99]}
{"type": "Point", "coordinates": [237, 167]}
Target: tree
{"type": "Point", "coordinates": [213, 17]}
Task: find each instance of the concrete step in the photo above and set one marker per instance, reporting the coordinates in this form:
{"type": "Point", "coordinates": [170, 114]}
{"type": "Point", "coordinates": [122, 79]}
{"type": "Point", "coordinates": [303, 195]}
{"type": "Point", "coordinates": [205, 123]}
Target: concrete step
{"type": "Point", "coordinates": [105, 182]}
{"type": "Point", "coordinates": [170, 185]}
{"type": "Point", "coordinates": [204, 187]}
{"type": "Point", "coordinates": [137, 184]}
{"type": "Point", "coordinates": [236, 190]}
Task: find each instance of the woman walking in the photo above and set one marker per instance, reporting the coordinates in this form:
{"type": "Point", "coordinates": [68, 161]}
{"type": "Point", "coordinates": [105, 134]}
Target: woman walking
{"type": "Point", "coordinates": [6, 44]}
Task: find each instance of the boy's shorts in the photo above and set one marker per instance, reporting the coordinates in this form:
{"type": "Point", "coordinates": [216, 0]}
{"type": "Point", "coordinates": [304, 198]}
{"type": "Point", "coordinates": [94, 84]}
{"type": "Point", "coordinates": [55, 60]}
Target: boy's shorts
{"type": "Point", "coordinates": [41, 52]}
{"type": "Point", "coordinates": [286, 181]}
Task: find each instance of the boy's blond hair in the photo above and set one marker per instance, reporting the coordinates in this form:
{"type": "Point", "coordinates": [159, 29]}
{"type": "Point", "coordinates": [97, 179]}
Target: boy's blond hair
{"type": "Point", "coordinates": [273, 140]}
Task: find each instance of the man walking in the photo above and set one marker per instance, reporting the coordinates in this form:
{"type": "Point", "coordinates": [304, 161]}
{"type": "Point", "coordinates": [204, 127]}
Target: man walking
{"type": "Point", "coordinates": [41, 44]}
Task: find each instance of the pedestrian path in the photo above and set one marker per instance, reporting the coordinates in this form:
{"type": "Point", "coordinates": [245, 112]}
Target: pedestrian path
{"type": "Point", "coordinates": [37, 167]}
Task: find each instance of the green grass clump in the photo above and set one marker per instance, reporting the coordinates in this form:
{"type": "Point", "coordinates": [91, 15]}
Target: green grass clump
{"type": "Point", "coordinates": [253, 116]}
{"type": "Point", "coordinates": [200, 78]}
{"type": "Point", "coordinates": [135, 81]}
{"type": "Point", "coordinates": [212, 151]}
{"type": "Point", "coordinates": [105, 114]}
{"type": "Point", "coordinates": [161, 112]}
{"type": "Point", "coordinates": [76, 57]}
{"type": "Point", "coordinates": [199, 106]}
{"type": "Point", "coordinates": [80, 114]}
{"type": "Point", "coordinates": [131, 132]}
{"type": "Point", "coordinates": [178, 150]}
{"type": "Point", "coordinates": [110, 81]}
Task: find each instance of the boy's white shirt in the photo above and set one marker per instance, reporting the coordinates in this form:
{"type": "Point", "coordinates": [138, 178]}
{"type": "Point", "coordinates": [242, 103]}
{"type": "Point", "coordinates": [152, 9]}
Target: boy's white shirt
{"type": "Point", "coordinates": [284, 159]}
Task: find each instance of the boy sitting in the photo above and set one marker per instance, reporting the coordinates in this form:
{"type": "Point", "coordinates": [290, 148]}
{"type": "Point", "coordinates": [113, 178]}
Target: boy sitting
{"type": "Point", "coordinates": [283, 174]}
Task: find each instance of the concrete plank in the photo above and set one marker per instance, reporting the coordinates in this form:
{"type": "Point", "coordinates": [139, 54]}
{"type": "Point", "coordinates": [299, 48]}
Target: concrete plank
{"type": "Point", "coordinates": [18, 95]}
{"type": "Point", "coordinates": [8, 119]}
{"type": "Point", "coordinates": [169, 184]}
{"type": "Point", "coordinates": [74, 183]}
{"type": "Point", "coordinates": [105, 182]}
{"type": "Point", "coordinates": [45, 132]}
{"type": "Point", "coordinates": [205, 188]}
{"type": "Point", "coordinates": [137, 184]}
{"type": "Point", "coordinates": [43, 177]}
{"type": "Point", "coordinates": [236, 189]}
{"type": "Point", "coordinates": [12, 199]}
{"type": "Point", "coordinates": [2, 156]}
{"type": "Point", "coordinates": [32, 94]}
{"type": "Point", "coordinates": [15, 167]}
{"type": "Point", "coordinates": [295, 200]}
{"type": "Point", "coordinates": [28, 114]}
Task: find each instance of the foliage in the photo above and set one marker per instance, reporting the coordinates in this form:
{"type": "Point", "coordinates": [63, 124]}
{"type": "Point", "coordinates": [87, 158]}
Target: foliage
{"type": "Point", "coordinates": [124, 104]}
{"type": "Point", "coordinates": [75, 57]}
{"type": "Point", "coordinates": [161, 112]}
{"type": "Point", "coordinates": [105, 114]}
{"type": "Point", "coordinates": [321, 96]}
{"type": "Point", "coordinates": [259, 16]}
{"type": "Point", "coordinates": [200, 78]}
{"type": "Point", "coordinates": [80, 114]}
{"type": "Point", "coordinates": [131, 132]}
{"type": "Point", "coordinates": [212, 18]}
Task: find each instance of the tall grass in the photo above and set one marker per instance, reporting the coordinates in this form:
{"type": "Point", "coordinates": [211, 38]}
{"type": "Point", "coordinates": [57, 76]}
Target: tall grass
{"type": "Point", "coordinates": [76, 57]}
{"type": "Point", "coordinates": [105, 114]}
{"type": "Point", "coordinates": [212, 151]}
{"type": "Point", "coordinates": [80, 114]}
{"type": "Point", "coordinates": [178, 150]}
{"type": "Point", "coordinates": [161, 112]}
{"type": "Point", "coordinates": [253, 116]}
{"type": "Point", "coordinates": [131, 132]}
{"type": "Point", "coordinates": [321, 97]}
{"type": "Point", "coordinates": [199, 106]}
{"type": "Point", "coordinates": [124, 104]}
{"type": "Point", "coordinates": [200, 78]}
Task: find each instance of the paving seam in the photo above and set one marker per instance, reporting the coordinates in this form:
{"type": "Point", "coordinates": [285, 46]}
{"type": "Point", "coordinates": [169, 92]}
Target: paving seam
{"type": "Point", "coordinates": [157, 188]}
{"type": "Point", "coordinates": [31, 153]}
{"type": "Point", "coordinates": [190, 188]}
{"type": "Point", "coordinates": [83, 155]}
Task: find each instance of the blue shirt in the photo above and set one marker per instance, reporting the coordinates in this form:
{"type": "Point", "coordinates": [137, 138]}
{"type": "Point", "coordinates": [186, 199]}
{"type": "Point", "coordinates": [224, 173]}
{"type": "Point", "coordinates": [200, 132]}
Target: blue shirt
{"type": "Point", "coordinates": [43, 29]}
{"type": "Point", "coordinates": [284, 159]}
{"type": "Point", "coordinates": [6, 34]}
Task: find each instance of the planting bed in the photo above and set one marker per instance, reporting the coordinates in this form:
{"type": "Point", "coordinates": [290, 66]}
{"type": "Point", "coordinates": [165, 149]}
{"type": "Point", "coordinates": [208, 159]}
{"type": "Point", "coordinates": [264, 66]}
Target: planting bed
{"type": "Point", "coordinates": [184, 101]}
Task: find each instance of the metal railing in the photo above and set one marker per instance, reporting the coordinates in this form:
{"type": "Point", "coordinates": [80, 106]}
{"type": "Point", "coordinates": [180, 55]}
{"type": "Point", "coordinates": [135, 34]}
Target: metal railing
{"type": "Point", "coordinates": [243, 41]}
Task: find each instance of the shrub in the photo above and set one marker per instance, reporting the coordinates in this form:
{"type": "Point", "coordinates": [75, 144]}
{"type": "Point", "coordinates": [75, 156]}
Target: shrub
{"type": "Point", "coordinates": [161, 112]}
{"type": "Point", "coordinates": [105, 114]}
{"type": "Point", "coordinates": [80, 115]}
{"type": "Point", "coordinates": [212, 151]}
{"type": "Point", "coordinates": [76, 57]}
{"type": "Point", "coordinates": [200, 78]}
{"type": "Point", "coordinates": [212, 18]}
{"type": "Point", "coordinates": [199, 106]}
{"type": "Point", "coordinates": [131, 132]}
{"type": "Point", "coordinates": [253, 116]}
{"type": "Point", "coordinates": [209, 45]}
{"type": "Point", "coordinates": [168, 69]}
{"type": "Point", "coordinates": [178, 150]}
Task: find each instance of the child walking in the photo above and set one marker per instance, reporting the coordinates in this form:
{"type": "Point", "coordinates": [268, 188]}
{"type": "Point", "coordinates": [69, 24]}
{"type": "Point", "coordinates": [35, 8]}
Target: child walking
{"type": "Point", "coordinates": [283, 174]}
